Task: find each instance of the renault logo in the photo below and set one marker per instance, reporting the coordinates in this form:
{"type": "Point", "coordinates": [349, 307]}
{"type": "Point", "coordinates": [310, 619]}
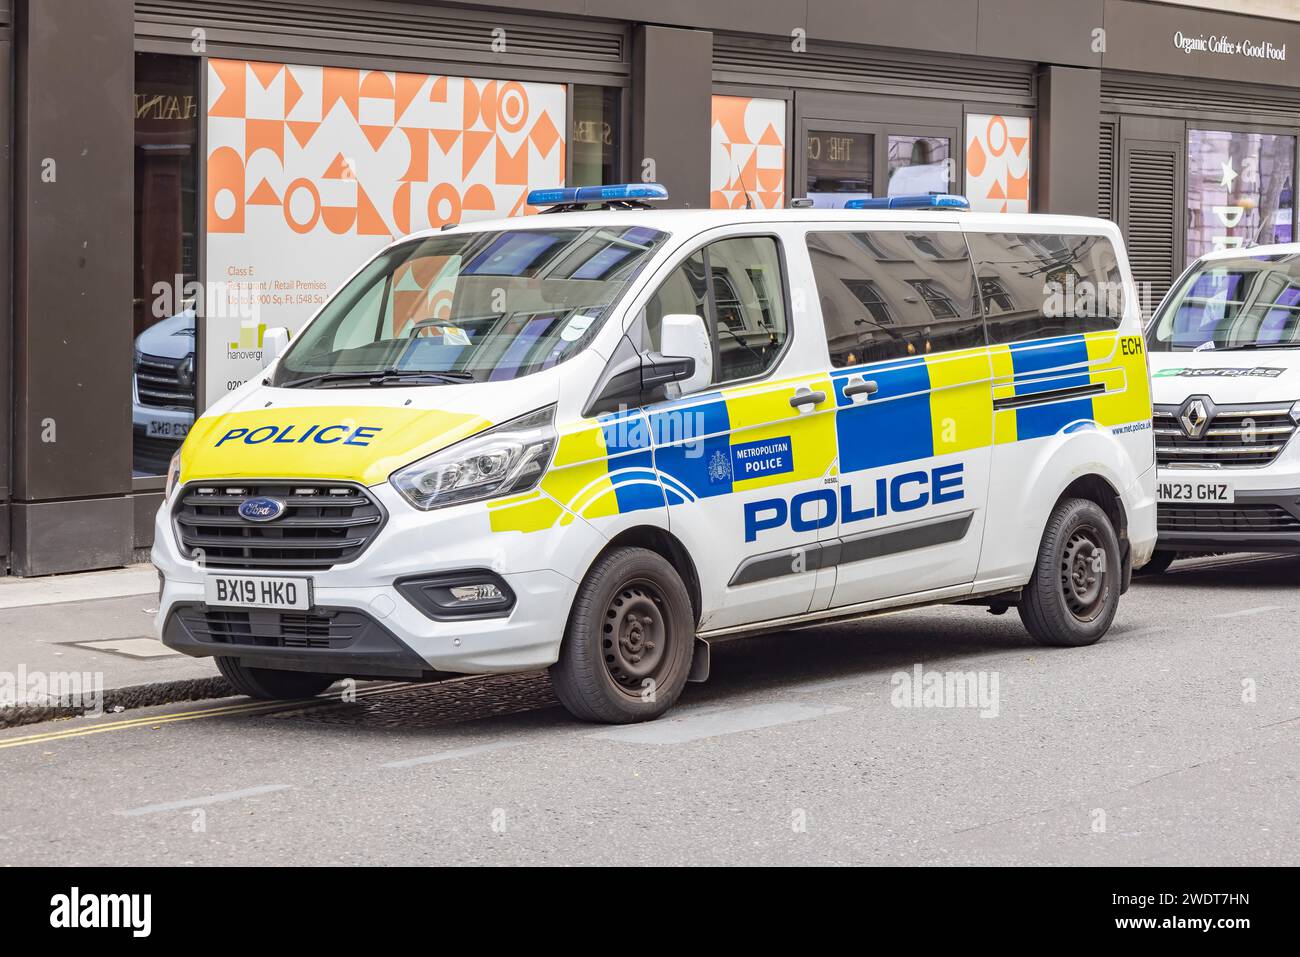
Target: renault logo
{"type": "Point", "coordinates": [1195, 416]}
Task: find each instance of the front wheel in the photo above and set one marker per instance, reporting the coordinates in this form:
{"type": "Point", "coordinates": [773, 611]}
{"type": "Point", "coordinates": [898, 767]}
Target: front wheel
{"type": "Point", "coordinates": [1072, 597]}
{"type": "Point", "coordinates": [272, 685]}
{"type": "Point", "coordinates": [631, 636]}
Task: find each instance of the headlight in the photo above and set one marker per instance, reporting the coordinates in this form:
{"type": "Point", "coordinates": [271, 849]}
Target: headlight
{"type": "Point", "coordinates": [173, 475]}
{"type": "Point", "coordinates": [507, 458]}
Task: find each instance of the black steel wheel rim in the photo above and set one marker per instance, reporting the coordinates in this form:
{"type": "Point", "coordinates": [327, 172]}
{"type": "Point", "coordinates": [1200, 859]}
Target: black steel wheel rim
{"type": "Point", "coordinates": [1085, 567]}
{"type": "Point", "coordinates": [635, 635]}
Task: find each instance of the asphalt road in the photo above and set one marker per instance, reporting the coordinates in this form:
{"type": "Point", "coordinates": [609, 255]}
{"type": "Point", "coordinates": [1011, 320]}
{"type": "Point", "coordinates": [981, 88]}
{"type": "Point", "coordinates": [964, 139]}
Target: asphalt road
{"type": "Point", "coordinates": [1175, 740]}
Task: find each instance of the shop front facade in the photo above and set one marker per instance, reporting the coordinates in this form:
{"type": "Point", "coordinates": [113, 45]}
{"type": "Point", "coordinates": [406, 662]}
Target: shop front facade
{"type": "Point", "coordinates": [220, 170]}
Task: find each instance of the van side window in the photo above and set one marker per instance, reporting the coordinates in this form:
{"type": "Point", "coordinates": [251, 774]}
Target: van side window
{"type": "Point", "coordinates": [742, 302]}
{"type": "Point", "coordinates": [890, 294]}
{"type": "Point", "coordinates": [684, 291]}
{"type": "Point", "coordinates": [1039, 285]}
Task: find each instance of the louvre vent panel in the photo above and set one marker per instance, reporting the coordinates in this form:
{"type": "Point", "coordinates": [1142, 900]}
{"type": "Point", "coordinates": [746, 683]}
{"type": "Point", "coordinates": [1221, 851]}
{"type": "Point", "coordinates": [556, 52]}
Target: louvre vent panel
{"type": "Point", "coordinates": [1106, 171]}
{"type": "Point", "coordinates": [1161, 93]}
{"type": "Point", "coordinates": [836, 66]}
{"type": "Point", "coordinates": [344, 27]}
{"type": "Point", "coordinates": [1151, 220]}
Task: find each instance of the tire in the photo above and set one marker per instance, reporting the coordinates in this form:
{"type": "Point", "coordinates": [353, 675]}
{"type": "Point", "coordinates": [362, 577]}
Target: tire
{"type": "Point", "coordinates": [1072, 597]}
{"type": "Point", "coordinates": [1159, 564]}
{"type": "Point", "coordinates": [631, 623]}
{"type": "Point", "coordinates": [268, 684]}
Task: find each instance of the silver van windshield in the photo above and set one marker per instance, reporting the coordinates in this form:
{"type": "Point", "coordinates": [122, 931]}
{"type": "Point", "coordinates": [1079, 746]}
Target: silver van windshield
{"type": "Point", "coordinates": [1246, 302]}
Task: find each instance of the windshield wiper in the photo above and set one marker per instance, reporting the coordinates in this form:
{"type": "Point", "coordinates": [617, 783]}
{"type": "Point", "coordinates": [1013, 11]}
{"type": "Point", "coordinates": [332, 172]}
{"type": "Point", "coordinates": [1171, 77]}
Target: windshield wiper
{"type": "Point", "coordinates": [380, 377]}
{"type": "Point", "coordinates": [410, 375]}
{"type": "Point", "coordinates": [1259, 345]}
{"type": "Point", "coordinates": [324, 377]}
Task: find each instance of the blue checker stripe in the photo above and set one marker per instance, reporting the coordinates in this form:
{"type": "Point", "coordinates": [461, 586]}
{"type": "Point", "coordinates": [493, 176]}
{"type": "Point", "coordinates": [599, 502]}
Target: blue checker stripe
{"type": "Point", "coordinates": [886, 429]}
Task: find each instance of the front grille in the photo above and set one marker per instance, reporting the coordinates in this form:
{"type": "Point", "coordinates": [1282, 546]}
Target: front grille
{"type": "Point", "coordinates": [151, 456]}
{"type": "Point", "coordinates": [1238, 436]}
{"type": "Point", "coordinates": [273, 629]}
{"type": "Point", "coordinates": [158, 382]}
{"type": "Point", "coordinates": [324, 524]}
{"type": "Point", "coordinates": [1226, 518]}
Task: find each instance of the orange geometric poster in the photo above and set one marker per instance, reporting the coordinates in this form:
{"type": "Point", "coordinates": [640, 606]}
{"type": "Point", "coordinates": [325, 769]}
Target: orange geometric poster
{"type": "Point", "coordinates": [311, 170]}
{"type": "Point", "coordinates": [997, 163]}
{"type": "Point", "coordinates": [748, 159]}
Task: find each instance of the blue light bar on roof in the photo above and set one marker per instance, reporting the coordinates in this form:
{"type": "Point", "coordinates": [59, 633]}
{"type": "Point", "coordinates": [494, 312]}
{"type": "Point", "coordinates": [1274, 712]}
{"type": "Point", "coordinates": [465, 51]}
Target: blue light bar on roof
{"type": "Point", "coordinates": [919, 201]}
{"type": "Point", "coordinates": [597, 194]}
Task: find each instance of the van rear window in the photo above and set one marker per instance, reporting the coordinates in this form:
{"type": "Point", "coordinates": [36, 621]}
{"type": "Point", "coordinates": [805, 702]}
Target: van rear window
{"type": "Point", "coordinates": [1039, 285]}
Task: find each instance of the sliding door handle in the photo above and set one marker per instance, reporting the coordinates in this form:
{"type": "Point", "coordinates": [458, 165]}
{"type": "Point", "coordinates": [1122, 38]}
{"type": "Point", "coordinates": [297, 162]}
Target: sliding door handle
{"type": "Point", "coordinates": [807, 397]}
{"type": "Point", "coordinates": [859, 386]}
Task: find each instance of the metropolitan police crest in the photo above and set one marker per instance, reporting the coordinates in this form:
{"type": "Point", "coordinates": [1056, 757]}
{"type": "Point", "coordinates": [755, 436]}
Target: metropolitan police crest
{"type": "Point", "coordinates": [719, 467]}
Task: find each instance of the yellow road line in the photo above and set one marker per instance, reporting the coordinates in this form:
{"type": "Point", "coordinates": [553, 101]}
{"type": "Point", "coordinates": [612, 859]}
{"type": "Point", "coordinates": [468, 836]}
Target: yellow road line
{"type": "Point", "coordinates": [129, 723]}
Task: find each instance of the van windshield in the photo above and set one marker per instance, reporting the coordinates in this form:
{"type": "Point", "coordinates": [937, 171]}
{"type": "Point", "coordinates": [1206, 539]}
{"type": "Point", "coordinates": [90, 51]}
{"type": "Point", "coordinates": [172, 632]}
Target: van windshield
{"type": "Point", "coordinates": [1246, 302]}
{"type": "Point", "coordinates": [473, 306]}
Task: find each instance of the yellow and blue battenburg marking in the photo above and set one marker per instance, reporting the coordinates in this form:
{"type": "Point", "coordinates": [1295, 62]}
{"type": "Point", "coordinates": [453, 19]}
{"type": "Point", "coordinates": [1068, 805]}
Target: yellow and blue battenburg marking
{"type": "Point", "coordinates": [922, 407]}
{"type": "Point", "coordinates": [748, 437]}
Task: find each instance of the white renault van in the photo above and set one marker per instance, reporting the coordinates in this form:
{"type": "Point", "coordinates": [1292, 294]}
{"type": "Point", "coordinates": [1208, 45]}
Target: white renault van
{"type": "Point", "coordinates": [1225, 357]}
{"type": "Point", "coordinates": [595, 439]}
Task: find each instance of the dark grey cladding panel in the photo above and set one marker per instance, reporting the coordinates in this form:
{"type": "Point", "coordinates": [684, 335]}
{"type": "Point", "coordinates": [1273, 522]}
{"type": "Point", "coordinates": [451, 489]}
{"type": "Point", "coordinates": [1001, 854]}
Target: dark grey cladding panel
{"type": "Point", "coordinates": [851, 548]}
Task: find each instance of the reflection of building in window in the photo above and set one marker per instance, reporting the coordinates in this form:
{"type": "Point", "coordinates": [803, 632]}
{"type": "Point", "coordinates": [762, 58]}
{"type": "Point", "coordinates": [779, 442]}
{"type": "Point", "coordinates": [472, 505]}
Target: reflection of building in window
{"type": "Point", "coordinates": [763, 298]}
{"type": "Point", "coordinates": [1065, 286]}
{"type": "Point", "coordinates": [995, 295]}
{"type": "Point", "coordinates": [925, 245]}
{"type": "Point", "coordinates": [866, 292]}
{"type": "Point", "coordinates": [730, 310]}
{"type": "Point", "coordinates": [938, 301]}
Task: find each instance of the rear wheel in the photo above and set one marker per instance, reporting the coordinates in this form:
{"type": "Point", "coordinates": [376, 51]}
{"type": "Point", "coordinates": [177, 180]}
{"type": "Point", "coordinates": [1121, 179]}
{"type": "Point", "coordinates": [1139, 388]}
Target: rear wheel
{"type": "Point", "coordinates": [1072, 597]}
{"type": "Point", "coordinates": [1159, 564]}
{"type": "Point", "coordinates": [273, 685]}
{"type": "Point", "coordinates": [628, 647]}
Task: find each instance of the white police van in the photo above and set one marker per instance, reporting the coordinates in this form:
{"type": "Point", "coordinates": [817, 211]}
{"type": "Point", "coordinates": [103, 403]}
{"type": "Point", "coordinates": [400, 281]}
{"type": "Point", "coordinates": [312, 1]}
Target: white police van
{"type": "Point", "coordinates": [594, 440]}
{"type": "Point", "coordinates": [1225, 358]}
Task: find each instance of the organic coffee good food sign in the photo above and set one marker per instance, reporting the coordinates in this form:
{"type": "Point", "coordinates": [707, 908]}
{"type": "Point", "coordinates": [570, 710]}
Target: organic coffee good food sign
{"type": "Point", "coordinates": [1224, 45]}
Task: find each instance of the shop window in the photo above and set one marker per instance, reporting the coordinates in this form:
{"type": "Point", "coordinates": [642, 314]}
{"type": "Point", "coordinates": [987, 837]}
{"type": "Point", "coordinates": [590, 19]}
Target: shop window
{"type": "Point", "coordinates": [1039, 285]}
{"type": "Point", "coordinates": [839, 162]}
{"type": "Point", "coordinates": [1240, 190]}
{"type": "Point", "coordinates": [889, 295]}
{"type": "Point", "coordinates": [919, 164]}
{"type": "Point", "coordinates": [166, 256]}
{"type": "Point", "coordinates": [596, 125]}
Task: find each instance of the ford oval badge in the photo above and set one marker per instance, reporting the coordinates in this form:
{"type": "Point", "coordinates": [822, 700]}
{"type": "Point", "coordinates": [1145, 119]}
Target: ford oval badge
{"type": "Point", "coordinates": [261, 509]}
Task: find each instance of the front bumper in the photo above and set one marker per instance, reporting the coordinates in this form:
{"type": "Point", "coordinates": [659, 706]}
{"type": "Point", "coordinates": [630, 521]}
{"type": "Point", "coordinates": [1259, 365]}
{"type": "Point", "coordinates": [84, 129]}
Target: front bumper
{"type": "Point", "coordinates": [338, 641]}
{"type": "Point", "coordinates": [1259, 520]}
{"type": "Point", "coordinates": [394, 637]}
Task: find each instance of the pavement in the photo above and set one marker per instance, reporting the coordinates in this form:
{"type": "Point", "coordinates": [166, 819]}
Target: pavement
{"type": "Point", "coordinates": [1172, 741]}
{"type": "Point", "coordinates": [98, 624]}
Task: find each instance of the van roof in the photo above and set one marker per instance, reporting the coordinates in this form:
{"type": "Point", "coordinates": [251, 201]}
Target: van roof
{"type": "Point", "coordinates": [697, 220]}
{"type": "Point", "coordinates": [1241, 252]}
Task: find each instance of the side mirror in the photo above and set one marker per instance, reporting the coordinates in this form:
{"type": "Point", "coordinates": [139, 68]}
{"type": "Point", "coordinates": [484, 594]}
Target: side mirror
{"type": "Point", "coordinates": [274, 341]}
{"type": "Point", "coordinates": [685, 335]}
{"type": "Point", "coordinates": [632, 378]}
